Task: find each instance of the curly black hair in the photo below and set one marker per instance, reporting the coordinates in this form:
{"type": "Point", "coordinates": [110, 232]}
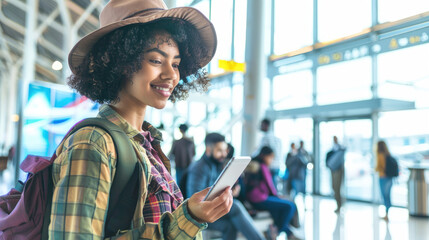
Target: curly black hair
{"type": "Point", "coordinates": [114, 59]}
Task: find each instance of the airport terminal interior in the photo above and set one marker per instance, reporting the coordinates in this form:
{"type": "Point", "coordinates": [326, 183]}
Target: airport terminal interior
{"type": "Point", "coordinates": [356, 70]}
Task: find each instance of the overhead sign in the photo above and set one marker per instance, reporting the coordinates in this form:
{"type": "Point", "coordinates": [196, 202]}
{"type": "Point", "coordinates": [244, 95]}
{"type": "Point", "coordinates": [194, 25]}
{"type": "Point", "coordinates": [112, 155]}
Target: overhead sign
{"type": "Point", "coordinates": [232, 66]}
{"type": "Point", "coordinates": [409, 39]}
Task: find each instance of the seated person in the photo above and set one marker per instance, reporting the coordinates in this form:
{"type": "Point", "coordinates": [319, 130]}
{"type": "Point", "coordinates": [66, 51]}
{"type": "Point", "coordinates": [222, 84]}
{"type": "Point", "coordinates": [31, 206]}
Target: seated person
{"type": "Point", "coordinates": [263, 195]}
{"type": "Point", "coordinates": [203, 173]}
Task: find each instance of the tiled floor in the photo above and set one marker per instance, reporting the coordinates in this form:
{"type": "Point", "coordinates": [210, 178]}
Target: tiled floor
{"type": "Point", "coordinates": [360, 221]}
{"type": "Point", "coordinates": [356, 221]}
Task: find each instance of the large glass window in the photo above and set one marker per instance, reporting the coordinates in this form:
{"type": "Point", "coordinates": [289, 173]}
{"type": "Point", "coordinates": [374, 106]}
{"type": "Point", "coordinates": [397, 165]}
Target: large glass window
{"type": "Point", "coordinates": [221, 17]}
{"type": "Point", "coordinates": [219, 114]}
{"type": "Point", "coordinates": [404, 75]}
{"type": "Point", "coordinates": [237, 98]}
{"type": "Point", "coordinates": [240, 19]}
{"type": "Point", "coordinates": [344, 82]}
{"type": "Point", "coordinates": [293, 90]}
{"type": "Point", "coordinates": [391, 10]}
{"type": "Point", "coordinates": [293, 25]}
{"type": "Point", "coordinates": [339, 18]}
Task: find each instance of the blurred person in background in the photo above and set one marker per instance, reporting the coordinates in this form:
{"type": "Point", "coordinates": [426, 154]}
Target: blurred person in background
{"type": "Point", "coordinates": [183, 152]}
{"type": "Point", "coordinates": [203, 173]}
{"type": "Point", "coordinates": [296, 164]}
{"type": "Point", "coordinates": [268, 139]}
{"type": "Point", "coordinates": [306, 159]}
{"type": "Point", "coordinates": [386, 182]}
{"type": "Point", "coordinates": [263, 195]}
{"type": "Point", "coordinates": [303, 152]}
{"type": "Point", "coordinates": [290, 158]}
{"type": "Point", "coordinates": [335, 163]}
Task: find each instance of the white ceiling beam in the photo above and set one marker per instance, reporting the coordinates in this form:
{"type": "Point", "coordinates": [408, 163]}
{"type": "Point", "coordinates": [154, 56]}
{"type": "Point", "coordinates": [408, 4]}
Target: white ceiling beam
{"type": "Point", "coordinates": [47, 22]}
{"type": "Point", "coordinates": [41, 61]}
{"type": "Point", "coordinates": [65, 14]}
{"type": "Point", "coordinates": [79, 11]}
{"type": "Point", "coordinates": [30, 47]}
{"type": "Point", "coordinates": [20, 29]}
{"type": "Point", "coordinates": [3, 68]}
{"type": "Point", "coordinates": [8, 57]}
{"type": "Point", "coordinates": [100, 7]}
{"type": "Point", "coordinates": [15, 26]}
{"type": "Point", "coordinates": [18, 4]}
{"type": "Point", "coordinates": [18, 46]}
{"type": "Point", "coordinates": [51, 47]}
{"type": "Point", "coordinates": [67, 35]}
{"type": "Point", "coordinates": [85, 15]}
{"type": "Point", "coordinates": [4, 47]}
{"type": "Point", "coordinates": [42, 17]}
{"type": "Point", "coordinates": [54, 24]}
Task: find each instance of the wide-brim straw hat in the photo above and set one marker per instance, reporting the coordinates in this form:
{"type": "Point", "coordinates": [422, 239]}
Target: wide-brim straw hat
{"type": "Point", "coordinates": [120, 13]}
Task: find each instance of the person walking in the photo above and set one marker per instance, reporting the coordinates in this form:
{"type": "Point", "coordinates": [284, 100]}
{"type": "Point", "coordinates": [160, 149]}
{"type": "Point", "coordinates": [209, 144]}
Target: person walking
{"type": "Point", "coordinates": [305, 159]}
{"type": "Point", "coordinates": [304, 152]}
{"type": "Point", "coordinates": [386, 182]}
{"type": "Point", "coordinates": [183, 152]}
{"type": "Point", "coordinates": [296, 164]}
{"type": "Point", "coordinates": [142, 55]}
{"type": "Point", "coordinates": [335, 163]}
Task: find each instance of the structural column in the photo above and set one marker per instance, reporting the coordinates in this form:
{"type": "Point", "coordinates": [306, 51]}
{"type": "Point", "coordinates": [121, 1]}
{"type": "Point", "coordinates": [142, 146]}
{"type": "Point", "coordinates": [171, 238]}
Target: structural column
{"type": "Point", "coordinates": [316, 121]}
{"type": "Point", "coordinates": [11, 110]}
{"type": "Point", "coordinates": [316, 154]}
{"type": "Point", "coordinates": [28, 74]}
{"type": "Point", "coordinates": [68, 36]}
{"type": "Point", "coordinates": [256, 60]}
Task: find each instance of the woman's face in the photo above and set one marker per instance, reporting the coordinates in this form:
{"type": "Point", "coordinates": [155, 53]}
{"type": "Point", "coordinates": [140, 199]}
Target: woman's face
{"type": "Point", "coordinates": [268, 159]}
{"type": "Point", "coordinates": [153, 84]}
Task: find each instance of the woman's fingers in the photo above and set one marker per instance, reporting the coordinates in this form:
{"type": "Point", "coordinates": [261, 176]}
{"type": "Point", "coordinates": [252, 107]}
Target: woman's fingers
{"type": "Point", "coordinates": [221, 205]}
{"type": "Point", "coordinates": [227, 193]}
{"type": "Point", "coordinates": [224, 208]}
{"type": "Point", "coordinates": [210, 211]}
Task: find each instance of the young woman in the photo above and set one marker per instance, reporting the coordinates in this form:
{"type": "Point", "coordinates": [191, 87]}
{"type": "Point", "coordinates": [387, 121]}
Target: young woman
{"type": "Point", "coordinates": [140, 57]}
{"type": "Point", "coordinates": [263, 195]}
{"type": "Point", "coordinates": [385, 181]}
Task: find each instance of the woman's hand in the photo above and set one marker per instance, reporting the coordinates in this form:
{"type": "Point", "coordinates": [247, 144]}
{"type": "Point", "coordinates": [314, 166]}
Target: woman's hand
{"type": "Point", "coordinates": [210, 211]}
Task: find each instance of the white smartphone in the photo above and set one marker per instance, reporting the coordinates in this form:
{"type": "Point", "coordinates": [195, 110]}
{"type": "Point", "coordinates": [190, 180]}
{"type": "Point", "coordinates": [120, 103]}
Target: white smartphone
{"type": "Point", "coordinates": [229, 175]}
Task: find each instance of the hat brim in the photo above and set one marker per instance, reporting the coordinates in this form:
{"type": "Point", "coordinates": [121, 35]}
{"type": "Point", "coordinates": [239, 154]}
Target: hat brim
{"type": "Point", "coordinates": [191, 15]}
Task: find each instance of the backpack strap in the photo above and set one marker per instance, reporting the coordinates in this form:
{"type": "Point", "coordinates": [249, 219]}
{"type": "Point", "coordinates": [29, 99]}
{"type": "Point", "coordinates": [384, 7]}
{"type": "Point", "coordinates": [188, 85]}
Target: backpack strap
{"type": "Point", "coordinates": [125, 164]}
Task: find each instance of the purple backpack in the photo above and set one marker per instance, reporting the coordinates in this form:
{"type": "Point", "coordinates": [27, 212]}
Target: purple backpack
{"type": "Point", "coordinates": [25, 210]}
{"type": "Point", "coordinates": [22, 210]}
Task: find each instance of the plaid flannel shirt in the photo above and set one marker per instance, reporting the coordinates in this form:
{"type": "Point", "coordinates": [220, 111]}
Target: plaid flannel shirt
{"type": "Point", "coordinates": [164, 194]}
{"type": "Point", "coordinates": [82, 175]}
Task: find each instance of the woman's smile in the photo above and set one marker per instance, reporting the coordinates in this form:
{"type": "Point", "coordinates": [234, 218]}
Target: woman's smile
{"type": "Point", "coordinates": [164, 90]}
